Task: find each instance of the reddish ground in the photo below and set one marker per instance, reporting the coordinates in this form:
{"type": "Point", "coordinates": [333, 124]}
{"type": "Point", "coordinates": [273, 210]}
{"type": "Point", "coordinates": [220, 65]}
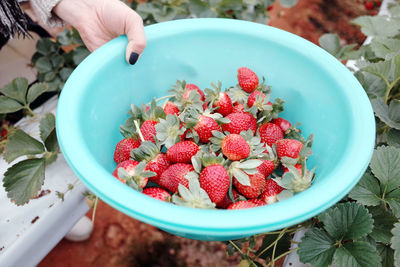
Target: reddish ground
{"type": "Point", "coordinates": [119, 240]}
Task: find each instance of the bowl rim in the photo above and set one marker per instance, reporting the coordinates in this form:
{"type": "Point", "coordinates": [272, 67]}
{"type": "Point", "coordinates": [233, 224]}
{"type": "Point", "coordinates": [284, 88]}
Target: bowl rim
{"type": "Point", "coordinates": [218, 223]}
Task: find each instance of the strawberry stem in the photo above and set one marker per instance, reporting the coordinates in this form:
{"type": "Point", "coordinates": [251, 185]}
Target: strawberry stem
{"type": "Point", "coordinates": [161, 98]}
{"type": "Point", "coordinates": [94, 209]}
{"type": "Point", "coordinates": [138, 130]}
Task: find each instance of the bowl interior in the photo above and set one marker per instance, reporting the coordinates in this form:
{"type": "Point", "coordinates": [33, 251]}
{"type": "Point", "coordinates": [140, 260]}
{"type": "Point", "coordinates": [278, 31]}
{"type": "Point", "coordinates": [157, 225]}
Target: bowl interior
{"type": "Point", "coordinates": [318, 91]}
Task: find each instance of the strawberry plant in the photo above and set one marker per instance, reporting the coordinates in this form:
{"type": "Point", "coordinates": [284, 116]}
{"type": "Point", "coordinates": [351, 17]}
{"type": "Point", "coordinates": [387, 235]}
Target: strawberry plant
{"type": "Point", "coordinates": [363, 228]}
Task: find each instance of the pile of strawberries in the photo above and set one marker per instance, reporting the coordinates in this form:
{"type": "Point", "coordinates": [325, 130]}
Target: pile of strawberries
{"type": "Point", "coordinates": [205, 149]}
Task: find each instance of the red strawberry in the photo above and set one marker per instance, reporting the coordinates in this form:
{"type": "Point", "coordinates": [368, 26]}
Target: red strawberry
{"type": "Point", "coordinates": [246, 204]}
{"type": "Point", "coordinates": [227, 201]}
{"type": "Point", "coordinates": [369, 5]}
{"type": "Point", "coordinates": [282, 123]}
{"type": "Point", "coordinates": [270, 133]}
{"type": "Point", "coordinates": [270, 8]}
{"type": "Point", "coordinates": [266, 167]}
{"type": "Point", "coordinates": [253, 96]}
{"type": "Point", "coordinates": [240, 122]}
{"type": "Point", "coordinates": [248, 80]}
{"type": "Point", "coordinates": [133, 170]}
{"type": "Point", "coordinates": [235, 147]}
{"type": "Point", "coordinates": [171, 108]}
{"type": "Point", "coordinates": [238, 108]}
{"type": "Point", "coordinates": [378, 3]}
{"type": "Point", "coordinates": [214, 179]}
{"type": "Point", "coordinates": [288, 148]}
{"type": "Point", "coordinates": [298, 168]}
{"type": "Point", "coordinates": [257, 185]}
{"type": "Point", "coordinates": [156, 161]}
{"type": "Point", "coordinates": [272, 189]}
{"type": "Point", "coordinates": [128, 165]}
{"type": "Point", "coordinates": [224, 104]}
{"type": "Point", "coordinates": [204, 127]}
{"type": "Point", "coordinates": [157, 193]}
{"type": "Point", "coordinates": [190, 87]}
{"type": "Point", "coordinates": [175, 175]}
{"type": "Point", "coordinates": [148, 130]}
{"type": "Point", "coordinates": [182, 152]}
{"type": "Point", "coordinates": [158, 165]}
{"type": "Point", "coordinates": [123, 149]}
{"type": "Point", "coordinates": [205, 106]}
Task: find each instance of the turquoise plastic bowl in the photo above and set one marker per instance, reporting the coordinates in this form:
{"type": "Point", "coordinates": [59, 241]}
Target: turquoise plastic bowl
{"type": "Point", "coordinates": [319, 92]}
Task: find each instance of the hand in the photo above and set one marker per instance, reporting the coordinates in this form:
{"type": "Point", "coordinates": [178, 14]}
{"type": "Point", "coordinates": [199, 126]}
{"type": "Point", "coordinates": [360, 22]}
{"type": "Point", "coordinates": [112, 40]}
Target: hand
{"type": "Point", "coordinates": [99, 21]}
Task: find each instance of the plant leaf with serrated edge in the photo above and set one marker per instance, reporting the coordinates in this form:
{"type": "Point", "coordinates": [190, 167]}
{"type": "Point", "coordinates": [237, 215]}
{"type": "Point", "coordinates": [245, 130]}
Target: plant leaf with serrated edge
{"type": "Point", "coordinates": [383, 223]}
{"type": "Point", "coordinates": [330, 42]}
{"type": "Point", "coordinates": [19, 144]}
{"type": "Point", "coordinates": [393, 137]}
{"type": "Point", "coordinates": [24, 179]}
{"type": "Point", "coordinates": [396, 243]}
{"type": "Point", "coordinates": [385, 165]}
{"type": "Point", "coordinates": [393, 200]}
{"type": "Point", "coordinates": [35, 91]}
{"type": "Point", "coordinates": [378, 25]}
{"type": "Point", "coordinates": [16, 89]}
{"type": "Point", "coordinates": [386, 254]}
{"type": "Point", "coordinates": [367, 191]}
{"type": "Point", "coordinates": [47, 125]}
{"type": "Point", "coordinates": [347, 221]}
{"type": "Point", "coordinates": [316, 248]}
{"type": "Point", "coordinates": [356, 254]}
{"type": "Point", "coordinates": [381, 110]}
{"type": "Point", "coordinates": [8, 105]}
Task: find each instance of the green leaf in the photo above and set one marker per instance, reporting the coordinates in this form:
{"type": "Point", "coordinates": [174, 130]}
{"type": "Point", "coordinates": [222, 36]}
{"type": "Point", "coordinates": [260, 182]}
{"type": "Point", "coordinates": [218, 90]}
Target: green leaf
{"type": "Point", "coordinates": [385, 47]}
{"type": "Point", "coordinates": [43, 65]}
{"type": "Point", "coordinates": [47, 125]}
{"type": "Point", "coordinates": [373, 85]}
{"type": "Point", "coordinates": [393, 200]}
{"type": "Point", "coordinates": [347, 221]}
{"type": "Point", "coordinates": [386, 254]}
{"type": "Point", "coordinates": [288, 3]}
{"type": "Point", "coordinates": [396, 243]}
{"type": "Point", "coordinates": [16, 89]}
{"type": "Point", "coordinates": [378, 25]}
{"type": "Point", "coordinates": [250, 164]}
{"type": "Point", "coordinates": [8, 105]}
{"type": "Point", "coordinates": [385, 165]}
{"type": "Point", "coordinates": [49, 76]}
{"type": "Point", "coordinates": [393, 137]}
{"type": "Point", "coordinates": [383, 223]}
{"type": "Point", "coordinates": [57, 61]}
{"type": "Point", "coordinates": [316, 248]}
{"type": "Point", "coordinates": [79, 54]}
{"type": "Point", "coordinates": [201, 9]}
{"type": "Point", "coordinates": [241, 177]}
{"type": "Point", "coordinates": [23, 180]}
{"type": "Point", "coordinates": [382, 112]}
{"type": "Point", "coordinates": [65, 73]}
{"type": "Point", "coordinates": [48, 132]}
{"type": "Point", "coordinates": [356, 254]}
{"type": "Point", "coordinates": [367, 191]}
{"type": "Point", "coordinates": [19, 144]}
{"type": "Point", "coordinates": [35, 91]}
{"type": "Point", "coordinates": [330, 42]}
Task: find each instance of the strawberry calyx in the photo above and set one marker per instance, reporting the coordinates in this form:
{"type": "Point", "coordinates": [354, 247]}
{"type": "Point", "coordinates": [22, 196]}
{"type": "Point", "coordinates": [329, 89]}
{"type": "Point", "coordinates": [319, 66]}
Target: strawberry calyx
{"type": "Point", "coordinates": [192, 100]}
{"type": "Point", "coordinates": [237, 95]}
{"type": "Point", "coordinates": [139, 179]}
{"type": "Point", "coordinates": [267, 115]}
{"type": "Point", "coordinates": [194, 196]}
{"type": "Point", "coordinates": [169, 130]}
{"type": "Point", "coordinates": [256, 147]}
{"type": "Point", "coordinates": [295, 181]}
{"type": "Point", "coordinates": [241, 170]}
{"type": "Point", "coordinates": [147, 151]}
{"type": "Point", "coordinates": [154, 112]}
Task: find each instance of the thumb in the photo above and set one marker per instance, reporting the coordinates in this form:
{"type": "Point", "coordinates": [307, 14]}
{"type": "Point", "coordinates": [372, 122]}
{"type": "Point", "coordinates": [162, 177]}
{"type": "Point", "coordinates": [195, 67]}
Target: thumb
{"type": "Point", "coordinates": [137, 40]}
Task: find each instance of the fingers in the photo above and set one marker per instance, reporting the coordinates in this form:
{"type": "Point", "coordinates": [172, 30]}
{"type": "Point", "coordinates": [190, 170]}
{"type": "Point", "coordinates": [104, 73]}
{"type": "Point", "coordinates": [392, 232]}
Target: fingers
{"type": "Point", "coordinates": [120, 19]}
{"type": "Point", "coordinates": [136, 36]}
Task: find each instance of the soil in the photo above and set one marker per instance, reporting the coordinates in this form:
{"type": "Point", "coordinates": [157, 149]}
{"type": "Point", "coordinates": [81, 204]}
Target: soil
{"type": "Point", "coordinates": [121, 241]}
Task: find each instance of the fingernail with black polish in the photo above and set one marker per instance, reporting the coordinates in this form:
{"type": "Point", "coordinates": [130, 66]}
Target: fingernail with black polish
{"type": "Point", "coordinates": [133, 58]}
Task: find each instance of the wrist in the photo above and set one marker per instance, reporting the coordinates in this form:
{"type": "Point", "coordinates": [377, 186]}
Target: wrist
{"type": "Point", "coordinates": [74, 11]}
